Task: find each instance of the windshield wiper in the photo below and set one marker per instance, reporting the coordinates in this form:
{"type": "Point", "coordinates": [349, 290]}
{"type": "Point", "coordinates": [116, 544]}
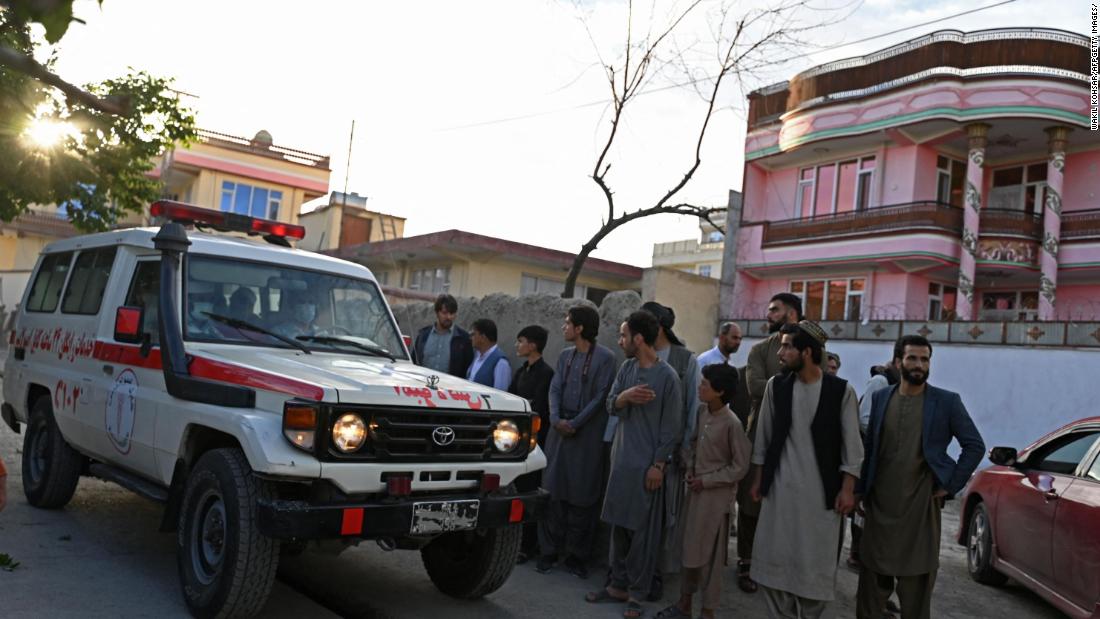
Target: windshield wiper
{"type": "Point", "coordinates": [328, 339]}
{"type": "Point", "coordinates": [241, 324]}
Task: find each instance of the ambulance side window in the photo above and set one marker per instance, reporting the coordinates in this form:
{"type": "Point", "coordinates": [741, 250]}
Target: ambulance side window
{"type": "Point", "coordinates": [84, 293]}
{"type": "Point", "coordinates": [46, 290]}
{"type": "Point", "coordinates": [145, 292]}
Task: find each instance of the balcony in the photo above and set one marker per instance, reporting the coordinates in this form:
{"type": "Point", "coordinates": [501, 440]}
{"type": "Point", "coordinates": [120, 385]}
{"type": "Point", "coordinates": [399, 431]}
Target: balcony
{"type": "Point", "coordinates": [1039, 52]}
{"type": "Point", "coordinates": [895, 218]}
{"type": "Point", "coordinates": [41, 223]}
{"type": "Point", "coordinates": [1080, 225]}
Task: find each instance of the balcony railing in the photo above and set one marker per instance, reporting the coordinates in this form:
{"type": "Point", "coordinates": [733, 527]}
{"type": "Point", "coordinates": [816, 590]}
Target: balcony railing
{"type": "Point", "coordinates": [910, 217]}
{"type": "Point", "coordinates": [1080, 225]}
{"type": "Point", "coordinates": [264, 150]}
{"type": "Point", "coordinates": [1008, 222]}
{"type": "Point", "coordinates": [41, 223]}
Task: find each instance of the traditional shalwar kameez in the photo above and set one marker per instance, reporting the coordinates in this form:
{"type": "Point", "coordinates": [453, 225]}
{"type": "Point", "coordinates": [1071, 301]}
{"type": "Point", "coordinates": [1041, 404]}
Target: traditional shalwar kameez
{"type": "Point", "coordinates": [718, 454]}
{"type": "Point", "coordinates": [646, 434]}
{"type": "Point", "coordinates": [574, 464]}
{"type": "Point", "coordinates": [901, 539]}
{"type": "Point", "coordinates": [797, 539]}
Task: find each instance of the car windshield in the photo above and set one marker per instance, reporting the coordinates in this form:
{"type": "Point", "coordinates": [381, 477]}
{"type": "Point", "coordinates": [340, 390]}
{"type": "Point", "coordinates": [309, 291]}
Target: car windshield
{"type": "Point", "coordinates": [230, 301]}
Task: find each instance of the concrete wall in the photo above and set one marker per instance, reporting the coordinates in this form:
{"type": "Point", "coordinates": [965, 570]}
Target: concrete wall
{"type": "Point", "coordinates": [1015, 395]}
{"type": "Point", "coordinates": [694, 299]}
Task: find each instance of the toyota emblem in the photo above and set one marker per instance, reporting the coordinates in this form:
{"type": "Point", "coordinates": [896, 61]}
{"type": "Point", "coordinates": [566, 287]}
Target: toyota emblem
{"type": "Point", "coordinates": [433, 381]}
{"type": "Point", "coordinates": [443, 436]}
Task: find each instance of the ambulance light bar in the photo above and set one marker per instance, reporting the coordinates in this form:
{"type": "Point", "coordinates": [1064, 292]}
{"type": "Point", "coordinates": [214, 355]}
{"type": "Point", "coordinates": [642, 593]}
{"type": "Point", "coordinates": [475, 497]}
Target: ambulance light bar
{"type": "Point", "coordinates": [219, 220]}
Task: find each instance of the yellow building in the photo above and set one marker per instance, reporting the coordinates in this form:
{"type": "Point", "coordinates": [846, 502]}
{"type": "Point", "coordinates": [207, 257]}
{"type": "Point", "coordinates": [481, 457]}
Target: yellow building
{"type": "Point", "coordinates": [218, 171]}
{"type": "Point", "coordinates": [465, 264]}
{"type": "Point", "coordinates": [344, 221]}
{"type": "Point", "coordinates": [251, 177]}
{"type": "Point", "coordinates": [701, 256]}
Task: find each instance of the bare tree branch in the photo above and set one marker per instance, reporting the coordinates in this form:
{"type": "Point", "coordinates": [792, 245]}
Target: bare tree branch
{"type": "Point", "coordinates": [117, 106]}
{"type": "Point", "coordinates": [759, 39]}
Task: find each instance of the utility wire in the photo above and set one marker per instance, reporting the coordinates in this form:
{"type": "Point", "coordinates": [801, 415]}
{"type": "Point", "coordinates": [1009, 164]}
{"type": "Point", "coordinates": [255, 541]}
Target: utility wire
{"type": "Point", "coordinates": [508, 119]}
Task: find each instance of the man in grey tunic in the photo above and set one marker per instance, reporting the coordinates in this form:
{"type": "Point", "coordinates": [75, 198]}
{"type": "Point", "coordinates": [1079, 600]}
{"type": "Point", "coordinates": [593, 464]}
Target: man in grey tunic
{"type": "Point", "coordinates": [574, 447]}
{"type": "Point", "coordinates": [806, 459]}
{"type": "Point", "coordinates": [646, 398]}
{"type": "Point", "coordinates": [673, 352]}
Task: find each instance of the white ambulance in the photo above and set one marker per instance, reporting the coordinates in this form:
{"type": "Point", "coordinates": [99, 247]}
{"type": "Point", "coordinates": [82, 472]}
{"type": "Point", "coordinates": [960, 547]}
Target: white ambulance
{"type": "Point", "coordinates": [265, 395]}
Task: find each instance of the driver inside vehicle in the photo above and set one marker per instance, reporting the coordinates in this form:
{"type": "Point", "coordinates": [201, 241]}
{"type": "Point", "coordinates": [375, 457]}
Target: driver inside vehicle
{"type": "Point", "coordinates": [300, 317]}
{"type": "Point", "coordinates": [242, 304]}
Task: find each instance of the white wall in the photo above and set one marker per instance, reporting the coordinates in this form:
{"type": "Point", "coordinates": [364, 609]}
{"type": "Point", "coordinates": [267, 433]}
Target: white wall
{"type": "Point", "coordinates": [1014, 394]}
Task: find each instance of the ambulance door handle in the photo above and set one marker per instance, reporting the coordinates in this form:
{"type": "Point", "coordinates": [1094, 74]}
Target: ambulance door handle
{"type": "Point", "coordinates": [109, 370]}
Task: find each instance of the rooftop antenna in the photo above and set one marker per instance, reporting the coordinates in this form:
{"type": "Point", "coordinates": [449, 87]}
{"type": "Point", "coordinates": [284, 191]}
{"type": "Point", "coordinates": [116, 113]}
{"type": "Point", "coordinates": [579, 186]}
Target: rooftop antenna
{"type": "Point", "coordinates": [347, 170]}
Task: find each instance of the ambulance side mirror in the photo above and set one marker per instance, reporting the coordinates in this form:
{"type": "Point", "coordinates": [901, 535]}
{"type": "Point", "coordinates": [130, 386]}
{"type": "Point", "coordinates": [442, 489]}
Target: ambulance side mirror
{"type": "Point", "coordinates": [128, 322]}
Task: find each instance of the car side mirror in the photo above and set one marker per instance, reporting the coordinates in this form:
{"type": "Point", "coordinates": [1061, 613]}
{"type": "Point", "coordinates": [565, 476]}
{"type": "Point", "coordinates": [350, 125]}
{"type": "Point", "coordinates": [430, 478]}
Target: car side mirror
{"type": "Point", "coordinates": [128, 322]}
{"type": "Point", "coordinates": [1003, 456]}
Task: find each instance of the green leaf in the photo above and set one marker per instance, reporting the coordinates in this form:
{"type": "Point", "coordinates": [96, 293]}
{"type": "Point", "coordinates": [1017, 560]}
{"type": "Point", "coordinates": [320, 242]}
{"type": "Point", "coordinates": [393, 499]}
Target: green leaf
{"type": "Point", "coordinates": [7, 563]}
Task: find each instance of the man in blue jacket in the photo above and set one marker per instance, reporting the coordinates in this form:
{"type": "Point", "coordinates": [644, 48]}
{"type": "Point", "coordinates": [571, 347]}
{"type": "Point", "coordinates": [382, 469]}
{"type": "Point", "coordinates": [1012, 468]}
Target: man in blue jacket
{"type": "Point", "coordinates": [907, 475]}
{"type": "Point", "coordinates": [490, 367]}
{"type": "Point", "coordinates": [444, 346]}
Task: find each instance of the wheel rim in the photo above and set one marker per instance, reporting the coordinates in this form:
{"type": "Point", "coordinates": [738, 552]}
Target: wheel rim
{"type": "Point", "coordinates": [39, 453]}
{"type": "Point", "coordinates": [208, 537]}
{"type": "Point", "coordinates": [976, 549]}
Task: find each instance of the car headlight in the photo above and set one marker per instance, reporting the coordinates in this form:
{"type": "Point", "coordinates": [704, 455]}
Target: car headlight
{"type": "Point", "coordinates": [506, 436]}
{"type": "Point", "coordinates": [349, 432]}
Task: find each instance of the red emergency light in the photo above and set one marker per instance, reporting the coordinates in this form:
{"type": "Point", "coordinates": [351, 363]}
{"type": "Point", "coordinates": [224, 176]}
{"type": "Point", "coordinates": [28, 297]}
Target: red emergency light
{"type": "Point", "coordinates": [219, 220]}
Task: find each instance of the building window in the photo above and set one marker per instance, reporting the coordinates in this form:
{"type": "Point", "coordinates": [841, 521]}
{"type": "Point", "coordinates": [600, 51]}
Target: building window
{"type": "Point", "coordinates": [950, 179]}
{"type": "Point", "coordinates": [941, 301]}
{"type": "Point", "coordinates": [533, 284]}
{"type": "Point", "coordinates": [248, 200]}
{"type": "Point", "coordinates": [383, 278]}
{"type": "Point", "coordinates": [435, 281]}
{"type": "Point", "coordinates": [1010, 305]}
{"type": "Point", "coordinates": [704, 270]}
{"type": "Point", "coordinates": [836, 187]}
{"type": "Point", "coordinates": [830, 299]}
{"type": "Point", "coordinates": [1019, 188]}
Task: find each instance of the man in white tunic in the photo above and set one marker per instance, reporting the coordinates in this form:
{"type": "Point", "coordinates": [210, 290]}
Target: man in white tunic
{"type": "Point", "coordinates": [806, 459]}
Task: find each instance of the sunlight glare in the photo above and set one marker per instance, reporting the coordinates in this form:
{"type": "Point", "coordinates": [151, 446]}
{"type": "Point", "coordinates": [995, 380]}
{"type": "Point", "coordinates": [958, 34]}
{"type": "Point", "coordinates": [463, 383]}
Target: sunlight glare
{"type": "Point", "coordinates": [48, 133]}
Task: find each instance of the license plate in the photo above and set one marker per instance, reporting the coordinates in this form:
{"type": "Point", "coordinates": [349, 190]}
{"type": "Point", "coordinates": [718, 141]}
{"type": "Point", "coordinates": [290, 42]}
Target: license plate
{"type": "Point", "coordinates": [444, 516]}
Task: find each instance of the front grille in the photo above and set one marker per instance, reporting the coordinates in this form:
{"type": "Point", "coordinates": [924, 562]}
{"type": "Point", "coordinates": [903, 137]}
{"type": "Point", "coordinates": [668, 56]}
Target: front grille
{"type": "Point", "coordinates": [398, 435]}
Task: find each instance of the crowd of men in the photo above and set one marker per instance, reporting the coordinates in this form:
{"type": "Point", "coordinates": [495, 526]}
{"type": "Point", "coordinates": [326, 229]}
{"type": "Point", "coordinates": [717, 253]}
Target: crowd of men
{"type": "Point", "coordinates": [668, 446]}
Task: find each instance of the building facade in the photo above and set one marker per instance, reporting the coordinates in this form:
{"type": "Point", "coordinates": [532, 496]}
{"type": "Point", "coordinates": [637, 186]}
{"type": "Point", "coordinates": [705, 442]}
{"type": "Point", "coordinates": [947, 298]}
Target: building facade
{"type": "Point", "coordinates": [465, 264]}
{"type": "Point", "coordinates": [701, 256]}
{"type": "Point", "coordinates": [344, 220]}
{"type": "Point", "coordinates": [246, 176]}
{"type": "Point", "coordinates": [219, 171]}
{"type": "Point", "coordinates": [949, 178]}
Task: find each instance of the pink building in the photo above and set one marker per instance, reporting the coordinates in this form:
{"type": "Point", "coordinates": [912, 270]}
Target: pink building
{"type": "Point", "coordinates": [953, 177]}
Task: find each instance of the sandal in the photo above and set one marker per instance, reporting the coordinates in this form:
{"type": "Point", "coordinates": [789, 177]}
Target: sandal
{"type": "Point", "coordinates": [633, 610]}
{"type": "Point", "coordinates": [744, 581]}
{"type": "Point", "coordinates": [671, 612]}
{"type": "Point", "coordinates": [602, 597]}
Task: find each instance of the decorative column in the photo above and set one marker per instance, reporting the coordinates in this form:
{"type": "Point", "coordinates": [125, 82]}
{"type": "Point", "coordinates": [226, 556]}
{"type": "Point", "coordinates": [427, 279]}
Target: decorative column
{"type": "Point", "coordinates": [968, 264]}
{"type": "Point", "coordinates": [1052, 220]}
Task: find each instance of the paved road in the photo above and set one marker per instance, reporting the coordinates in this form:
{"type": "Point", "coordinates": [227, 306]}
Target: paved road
{"type": "Point", "coordinates": [102, 557]}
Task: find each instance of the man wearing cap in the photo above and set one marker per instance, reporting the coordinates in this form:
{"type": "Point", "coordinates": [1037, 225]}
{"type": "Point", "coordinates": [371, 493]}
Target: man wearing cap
{"type": "Point", "coordinates": [784, 308]}
{"type": "Point", "coordinates": [673, 352]}
{"type": "Point", "coordinates": [806, 459]}
{"type": "Point", "coordinates": [832, 363]}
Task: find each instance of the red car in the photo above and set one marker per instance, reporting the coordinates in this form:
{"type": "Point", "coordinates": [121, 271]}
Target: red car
{"type": "Point", "coordinates": [1035, 517]}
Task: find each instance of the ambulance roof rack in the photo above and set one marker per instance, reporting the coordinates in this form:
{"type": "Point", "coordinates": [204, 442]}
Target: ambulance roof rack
{"type": "Point", "coordinates": [274, 232]}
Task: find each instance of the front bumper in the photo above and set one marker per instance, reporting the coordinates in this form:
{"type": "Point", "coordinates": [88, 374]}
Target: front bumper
{"type": "Point", "coordinates": [282, 519]}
